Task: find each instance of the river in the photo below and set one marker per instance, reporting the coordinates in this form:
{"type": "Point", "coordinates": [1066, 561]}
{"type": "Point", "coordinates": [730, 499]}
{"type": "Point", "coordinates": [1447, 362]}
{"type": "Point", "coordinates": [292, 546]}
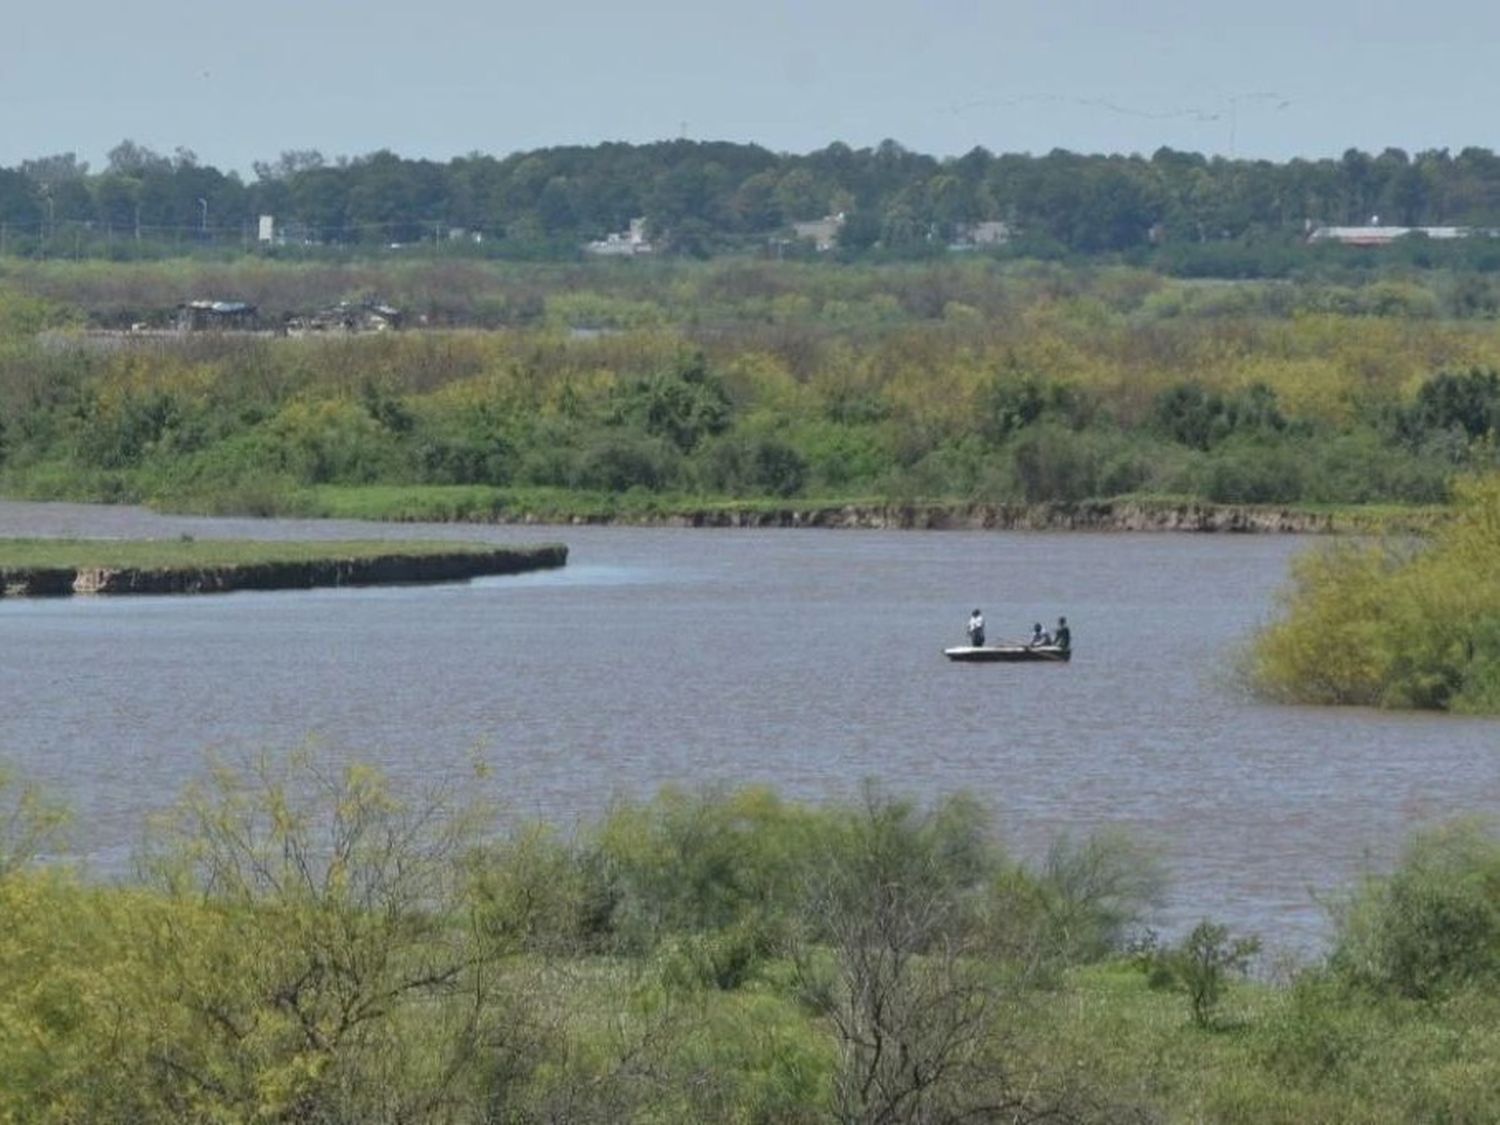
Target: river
{"type": "Point", "coordinates": [808, 660]}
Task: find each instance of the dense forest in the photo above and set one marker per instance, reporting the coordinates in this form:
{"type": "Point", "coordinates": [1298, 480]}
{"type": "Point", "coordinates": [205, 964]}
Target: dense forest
{"type": "Point", "coordinates": [1193, 213]}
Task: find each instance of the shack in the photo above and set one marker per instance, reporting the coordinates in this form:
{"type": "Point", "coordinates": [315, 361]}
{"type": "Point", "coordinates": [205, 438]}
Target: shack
{"type": "Point", "coordinates": [216, 316]}
{"type": "Point", "coordinates": [347, 316]}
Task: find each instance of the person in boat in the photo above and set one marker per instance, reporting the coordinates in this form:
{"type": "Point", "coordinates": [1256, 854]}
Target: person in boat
{"type": "Point", "coordinates": [1039, 636]}
{"type": "Point", "coordinates": [1063, 638]}
{"type": "Point", "coordinates": [976, 629]}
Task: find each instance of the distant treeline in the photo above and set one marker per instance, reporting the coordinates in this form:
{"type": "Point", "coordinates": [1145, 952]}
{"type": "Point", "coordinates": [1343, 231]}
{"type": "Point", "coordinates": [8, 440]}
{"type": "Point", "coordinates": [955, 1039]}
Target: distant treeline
{"type": "Point", "coordinates": [1192, 213]}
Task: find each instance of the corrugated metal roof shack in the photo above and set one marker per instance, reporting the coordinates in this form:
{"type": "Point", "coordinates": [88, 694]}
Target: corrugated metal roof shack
{"type": "Point", "coordinates": [215, 316]}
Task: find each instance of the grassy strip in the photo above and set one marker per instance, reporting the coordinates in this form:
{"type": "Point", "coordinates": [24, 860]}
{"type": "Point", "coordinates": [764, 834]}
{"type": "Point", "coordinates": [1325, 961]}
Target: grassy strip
{"type": "Point", "coordinates": [482, 503]}
{"type": "Point", "coordinates": [195, 553]}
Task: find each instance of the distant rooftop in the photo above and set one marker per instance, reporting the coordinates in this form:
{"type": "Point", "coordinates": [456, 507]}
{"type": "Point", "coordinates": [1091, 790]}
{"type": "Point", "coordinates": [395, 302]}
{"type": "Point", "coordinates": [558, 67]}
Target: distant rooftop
{"type": "Point", "coordinates": [1375, 235]}
{"type": "Point", "coordinates": [223, 308]}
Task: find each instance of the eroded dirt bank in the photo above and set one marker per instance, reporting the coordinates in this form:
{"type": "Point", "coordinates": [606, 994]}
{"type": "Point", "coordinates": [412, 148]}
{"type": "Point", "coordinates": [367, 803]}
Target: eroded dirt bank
{"type": "Point", "coordinates": [365, 571]}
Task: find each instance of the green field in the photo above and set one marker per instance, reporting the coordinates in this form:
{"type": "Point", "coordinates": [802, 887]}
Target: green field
{"type": "Point", "coordinates": [487, 503]}
{"type": "Point", "coordinates": [18, 554]}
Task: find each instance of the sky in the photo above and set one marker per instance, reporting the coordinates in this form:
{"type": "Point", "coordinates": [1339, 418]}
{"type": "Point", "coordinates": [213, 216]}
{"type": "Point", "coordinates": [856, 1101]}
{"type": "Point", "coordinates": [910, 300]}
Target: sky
{"type": "Point", "coordinates": [240, 83]}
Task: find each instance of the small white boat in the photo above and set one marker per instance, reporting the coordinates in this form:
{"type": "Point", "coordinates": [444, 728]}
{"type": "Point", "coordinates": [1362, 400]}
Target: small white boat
{"type": "Point", "coordinates": [1010, 654]}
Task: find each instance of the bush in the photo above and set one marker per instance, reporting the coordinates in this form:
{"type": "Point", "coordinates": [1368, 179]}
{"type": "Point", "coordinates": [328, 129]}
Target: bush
{"type": "Point", "coordinates": [1468, 404]}
{"type": "Point", "coordinates": [1195, 416]}
{"type": "Point", "coordinates": [619, 461]}
{"type": "Point", "coordinates": [1053, 464]}
{"type": "Point", "coordinates": [1388, 626]}
{"type": "Point", "coordinates": [840, 456]}
{"type": "Point", "coordinates": [1010, 402]}
{"type": "Point", "coordinates": [1433, 925]}
{"type": "Point", "coordinates": [1360, 468]}
{"type": "Point", "coordinates": [701, 863]}
{"type": "Point", "coordinates": [463, 455]}
{"type": "Point", "coordinates": [1252, 473]}
{"type": "Point", "coordinates": [330, 442]}
{"type": "Point", "coordinates": [531, 894]}
{"type": "Point", "coordinates": [29, 823]}
{"type": "Point", "coordinates": [1096, 890]}
{"type": "Point", "coordinates": [1200, 967]}
{"type": "Point", "coordinates": [683, 406]}
{"type": "Point", "coordinates": [753, 465]}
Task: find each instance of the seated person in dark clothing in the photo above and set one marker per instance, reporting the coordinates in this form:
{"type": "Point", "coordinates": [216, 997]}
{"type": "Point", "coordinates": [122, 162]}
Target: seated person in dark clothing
{"type": "Point", "coordinates": [1064, 636]}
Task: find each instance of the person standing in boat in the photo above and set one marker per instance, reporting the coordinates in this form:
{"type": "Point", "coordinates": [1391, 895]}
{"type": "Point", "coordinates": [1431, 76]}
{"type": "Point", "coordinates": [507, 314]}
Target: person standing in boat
{"type": "Point", "coordinates": [1039, 635]}
{"type": "Point", "coordinates": [1063, 638]}
{"type": "Point", "coordinates": [976, 629]}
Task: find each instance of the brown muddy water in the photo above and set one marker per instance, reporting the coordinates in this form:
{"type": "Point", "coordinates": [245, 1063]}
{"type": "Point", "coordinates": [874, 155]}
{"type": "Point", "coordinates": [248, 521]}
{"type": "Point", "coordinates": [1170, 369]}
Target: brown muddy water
{"type": "Point", "coordinates": [808, 660]}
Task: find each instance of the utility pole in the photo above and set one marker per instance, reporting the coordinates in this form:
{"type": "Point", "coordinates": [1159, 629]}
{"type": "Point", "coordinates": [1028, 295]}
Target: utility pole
{"type": "Point", "coordinates": [47, 226]}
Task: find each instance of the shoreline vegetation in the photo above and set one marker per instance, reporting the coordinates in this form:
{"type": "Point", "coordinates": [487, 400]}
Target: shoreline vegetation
{"type": "Point", "coordinates": [479, 504]}
{"type": "Point", "coordinates": [976, 383]}
{"type": "Point", "coordinates": [1395, 624]}
{"type": "Point", "coordinates": [53, 567]}
{"type": "Point", "coordinates": [302, 941]}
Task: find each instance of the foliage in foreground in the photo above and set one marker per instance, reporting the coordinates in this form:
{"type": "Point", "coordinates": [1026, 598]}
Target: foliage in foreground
{"type": "Point", "coordinates": [1392, 625]}
{"type": "Point", "coordinates": [305, 945]}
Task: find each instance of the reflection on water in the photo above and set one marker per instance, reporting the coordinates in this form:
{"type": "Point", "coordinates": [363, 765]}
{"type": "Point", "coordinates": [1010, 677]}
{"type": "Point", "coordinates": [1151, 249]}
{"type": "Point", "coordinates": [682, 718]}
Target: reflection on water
{"type": "Point", "coordinates": [809, 660]}
{"type": "Point", "coordinates": [586, 576]}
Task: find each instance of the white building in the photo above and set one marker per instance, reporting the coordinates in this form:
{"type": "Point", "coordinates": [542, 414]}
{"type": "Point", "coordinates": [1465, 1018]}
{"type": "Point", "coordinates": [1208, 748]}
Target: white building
{"type": "Point", "coordinates": [624, 244]}
{"type": "Point", "coordinates": [990, 232]}
{"type": "Point", "coordinates": [1375, 235]}
{"type": "Point", "coordinates": [822, 233]}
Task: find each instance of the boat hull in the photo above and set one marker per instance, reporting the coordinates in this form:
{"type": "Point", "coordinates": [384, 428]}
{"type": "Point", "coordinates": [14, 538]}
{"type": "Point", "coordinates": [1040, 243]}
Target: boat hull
{"type": "Point", "coordinates": [1009, 654]}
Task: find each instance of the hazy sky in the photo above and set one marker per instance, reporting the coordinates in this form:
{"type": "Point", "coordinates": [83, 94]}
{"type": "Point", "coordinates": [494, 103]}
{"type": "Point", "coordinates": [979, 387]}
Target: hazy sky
{"type": "Point", "coordinates": [238, 83]}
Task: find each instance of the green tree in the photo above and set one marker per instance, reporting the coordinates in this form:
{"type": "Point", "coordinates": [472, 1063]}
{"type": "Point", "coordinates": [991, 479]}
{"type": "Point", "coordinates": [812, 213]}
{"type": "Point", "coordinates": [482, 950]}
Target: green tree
{"type": "Point", "coordinates": [29, 823]}
{"type": "Point", "coordinates": [335, 940]}
{"type": "Point", "coordinates": [1200, 967]}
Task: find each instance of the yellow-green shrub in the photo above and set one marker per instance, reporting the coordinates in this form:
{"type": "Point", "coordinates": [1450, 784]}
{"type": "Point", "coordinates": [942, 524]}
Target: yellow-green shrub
{"type": "Point", "coordinates": [1392, 626]}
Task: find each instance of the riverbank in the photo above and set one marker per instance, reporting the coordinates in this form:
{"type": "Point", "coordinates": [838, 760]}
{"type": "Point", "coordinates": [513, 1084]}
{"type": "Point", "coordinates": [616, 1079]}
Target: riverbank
{"type": "Point", "coordinates": [480, 504]}
{"type": "Point", "coordinates": [56, 567]}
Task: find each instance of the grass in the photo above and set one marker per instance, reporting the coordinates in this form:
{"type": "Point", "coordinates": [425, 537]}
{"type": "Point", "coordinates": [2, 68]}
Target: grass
{"type": "Point", "coordinates": [484, 503]}
{"type": "Point", "coordinates": [1331, 1056]}
{"type": "Point", "coordinates": [481, 503]}
{"type": "Point", "coordinates": [19, 554]}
